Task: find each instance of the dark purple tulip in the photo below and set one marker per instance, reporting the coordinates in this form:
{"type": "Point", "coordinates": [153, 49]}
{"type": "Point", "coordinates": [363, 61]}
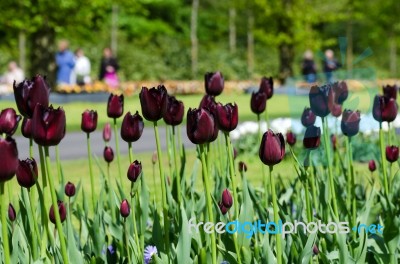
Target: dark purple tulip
{"type": "Point", "coordinates": [350, 122]}
{"type": "Point", "coordinates": [115, 106]}
{"type": "Point", "coordinates": [48, 125]}
{"type": "Point", "coordinates": [27, 173]}
{"type": "Point", "coordinates": [214, 82]}
{"type": "Point", "coordinates": [208, 102]}
{"type": "Point", "coordinates": [319, 100]}
{"type": "Point", "coordinates": [334, 141]}
{"type": "Point", "coordinates": [132, 127]}
{"type": "Point", "coordinates": [258, 102]}
{"type": "Point", "coordinates": [390, 91]}
{"type": "Point", "coordinates": [108, 154]}
{"type": "Point", "coordinates": [125, 209]}
{"type": "Point", "coordinates": [8, 158]}
{"type": "Point", "coordinates": [29, 93]}
{"type": "Point", "coordinates": [26, 127]}
{"type": "Point", "coordinates": [312, 137]}
{"type": "Point", "coordinates": [223, 209]}
{"type": "Point", "coordinates": [267, 86]}
{"type": "Point", "coordinates": [89, 121]}
{"type": "Point", "coordinates": [69, 189]}
{"type": "Point", "coordinates": [61, 210]}
{"type": "Point", "coordinates": [371, 165]}
{"type": "Point", "coordinates": [11, 213]}
{"type": "Point", "coordinates": [341, 91]}
{"type": "Point", "coordinates": [200, 126]}
{"type": "Point", "coordinates": [308, 117]}
{"type": "Point", "coordinates": [107, 132]}
{"type": "Point", "coordinates": [134, 171]}
{"type": "Point", "coordinates": [151, 101]}
{"type": "Point", "coordinates": [334, 107]}
{"type": "Point", "coordinates": [9, 121]}
{"type": "Point", "coordinates": [227, 117]}
{"type": "Point", "coordinates": [392, 153]}
{"type": "Point", "coordinates": [272, 148]}
{"type": "Point", "coordinates": [384, 109]}
{"type": "Point", "coordinates": [227, 200]}
{"type": "Point", "coordinates": [291, 138]}
{"type": "Point", "coordinates": [173, 110]}
{"type": "Point", "coordinates": [242, 166]}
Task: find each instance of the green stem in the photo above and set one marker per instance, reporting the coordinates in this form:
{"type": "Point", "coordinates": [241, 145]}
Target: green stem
{"type": "Point", "coordinates": [276, 217]}
{"type": "Point", "coordinates": [55, 207]}
{"type": "Point", "coordinates": [209, 201]}
{"type": "Point", "coordinates": [308, 204]}
{"type": "Point", "coordinates": [134, 222]}
{"type": "Point", "coordinates": [34, 225]}
{"type": "Point", "coordinates": [89, 150]}
{"type": "Point", "coordinates": [383, 159]}
{"type": "Point", "coordinates": [353, 186]}
{"type": "Point", "coordinates": [30, 147]}
{"type": "Point", "coordinates": [177, 172]}
{"type": "Point", "coordinates": [389, 135]}
{"type": "Point", "coordinates": [313, 187]}
{"type": "Point", "coordinates": [117, 149]}
{"type": "Point", "coordinates": [348, 174]}
{"type": "Point", "coordinates": [110, 195]}
{"type": "Point", "coordinates": [58, 162]}
{"type": "Point", "coordinates": [4, 208]}
{"type": "Point", "coordinates": [126, 247]}
{"type": "Point", "coordinates": [264, 176]}
{"type": "Point", "coordinates": [168, 141]}
{"type": "Point", "coordinates": [130, 152]}
{"type": "Point", "coordinates": [163, 191]}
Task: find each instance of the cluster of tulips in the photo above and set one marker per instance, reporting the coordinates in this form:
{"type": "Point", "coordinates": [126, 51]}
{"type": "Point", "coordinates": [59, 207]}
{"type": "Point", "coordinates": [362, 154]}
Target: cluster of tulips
{"type": "Point", "coordinates": [122, 224]}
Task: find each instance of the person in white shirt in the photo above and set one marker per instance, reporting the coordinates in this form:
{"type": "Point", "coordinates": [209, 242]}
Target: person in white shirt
{"type": "Point", "coordinates": [81, 73]}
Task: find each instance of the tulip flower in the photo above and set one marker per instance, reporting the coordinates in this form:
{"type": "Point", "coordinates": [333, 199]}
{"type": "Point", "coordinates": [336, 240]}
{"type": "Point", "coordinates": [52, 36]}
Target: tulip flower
{"type": "Point", "coordinates": [319, 100]}
{"type": "Point", "coordinates": [384, 109]}
{"type": "Point", "coordinates": [26, 127]}
{"type": "Point", "coordinates": [227, 117]}
{"type": "Point", "coordinates": [312, 137]}
{"type": "Point", "coordinates": [267, 86]}
{"type": "Point", "coordinates": [27, 173]}
{"type": "Point", "coordinates": [173, 110]}
{"type": "Point", "coordinates": [89, 121]}
{"type": "Point", "coordinates": [200, 126]}
{"type": "Point", "coordinates": [61, 210]}
{"type": "Point", "coordinates": [208, 102]}
{"type": "Point", "coordinates": [334, 107]}
{"type": "Point", "coordinates": [371, 165]}
{"type": "Point", "coordinates": [9, 121]}
{"type": "Point", "coordinates": [69, 189]}
{"type": "Point", "coordinates": [29, 93]}
{"type": "Point", "coordinates": [8, 159]}
{"type": "Point", "coordinates": [291, 138]}
{"type": "Point", "coordinates": [132, 127]}
{"type": "Point", "coordinates": [340, 91]}
{"type": "Point", "coordinates": [392, 153]}
{"type": "Point", "coordinates": [125, 208]}
{"type": "Point", "coordinates": [222, 208]}
{"type": "Point", "coordinates": [107, 132]}
{"type": "Point", "coordinates": [214, 83]}
{"type": "Point", "coordinates": [227, 200]}
{"type": "Point", "coordinates": [134, 171]}
{"type": "Point", "coordinates": [115, 106]}
{"type": "Point", "coordinates": [151, 101]}
{"type": "Point", "coordinates": [350, 122]}
{"type": "Point", "coordinates": [308, 117]}
{"type": "Point", "coordinates": [272, 148]}
{"type": "Point", "coordinates": [390, 91]}
{"type": "Point", "coordinates": [258, 102]}
{"type": "Point", "coordinates": [12, 215]}
{"type": "Point", "coordinates": [108, 154]}
{"type": "Point", "coordinates": [242, 166]}
{"type": "Point", "coordinates": [48, 125]}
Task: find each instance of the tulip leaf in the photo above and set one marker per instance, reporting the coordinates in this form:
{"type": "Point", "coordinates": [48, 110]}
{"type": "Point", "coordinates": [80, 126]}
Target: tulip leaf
{"type": "Point", "coordinates": [307, 251]}
{"type": "Point", "coordinates": [246, 215]}
{"type": "Point", "coordinates": [184, 242]}
{"type": "Point", "coordinates": [144, 205]}
{"type": "Point", "coordinates": [73, 252]}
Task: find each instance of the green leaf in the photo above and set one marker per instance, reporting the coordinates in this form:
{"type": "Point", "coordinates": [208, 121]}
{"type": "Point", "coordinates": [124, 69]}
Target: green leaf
{"type": "Point", "coordinates": [184, 242]}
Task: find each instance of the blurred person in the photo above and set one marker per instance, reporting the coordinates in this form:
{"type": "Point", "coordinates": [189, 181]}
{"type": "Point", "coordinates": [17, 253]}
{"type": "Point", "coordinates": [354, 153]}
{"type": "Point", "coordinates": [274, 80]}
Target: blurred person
{"type": "Point", "coordinates": [65, 63]}
{"type": "Point", "coordinates": [81, 72]}
{"type": "Point", "coordinates": [308, 67]}
{"type": "Point", "coordinates": [108, 68]}
{"type": "Point", "coordinates": [14, 73]}
{"type": "Point", "coordinates": [330, 65]}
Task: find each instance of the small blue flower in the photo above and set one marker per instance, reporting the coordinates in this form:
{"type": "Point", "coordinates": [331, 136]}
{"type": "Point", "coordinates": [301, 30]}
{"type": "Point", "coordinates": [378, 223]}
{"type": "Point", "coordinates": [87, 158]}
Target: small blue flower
{"type": "Point", "coordinates": [149, 251]}
{"type": "Point", "coordinates": [110, 249]}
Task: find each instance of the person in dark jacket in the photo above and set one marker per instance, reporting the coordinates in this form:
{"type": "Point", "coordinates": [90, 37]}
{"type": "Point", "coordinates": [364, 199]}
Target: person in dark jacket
{"type": "Point", "coordinates": [308, 67]}
{"type": "Point", "coordinates": [330, 65]}
{"type": "Point", "coordinates": [108, 68]}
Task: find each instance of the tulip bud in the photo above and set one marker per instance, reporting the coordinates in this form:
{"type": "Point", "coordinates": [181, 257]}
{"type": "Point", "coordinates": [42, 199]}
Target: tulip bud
{"type": "Point", "coordinates": [48, 125]}
{"type": "Point", "coordinates": [214, 83]}
{"type": "Point", "coordinates": [115, 106]}
{"type": "Point", "coordinates": [12, 215]}
{"type": "Point", "coordinates": [227, 117]}
{"type": "Point", "coordinates": [132, 127]}
{"type": "Point", "coordinates": [154, 157]}
{"type": "Point", "coordinates": [151, 101]}
{"type": "Point", "coordinates": [384, 109]}
{"type": "Point", "coordinates": [27, 173]}
{"type": "Point", "coordinates": [107, 132]}
{"type": "Point", "coordinates": [291, 138]}
{"type": "Point", "coordinates": [308, 117]}
{"type": "Point", "coordinates": [69, 189]}
{"type": "Point", "coordinates": [319, 100]}
{"type": "Point", "coordinates": [108, 154]}
{"type": "Point", "coordinates": [267, 86]}
{"type": "Point", "coordinates": [371, 165]}
{"type": "Point", "coordinates": [350, 122]}
{"type": "Point", "coordinates": [200, 126]}
{"type": "Point", "coordinates": [8, 158]}
{"type": "Point", "coordinates": [9, 121]}
{"type": "Point", "coordinates": [173, 110]}
{"type": "Point", "coordinates": [208, 102]}
{"type": "Point", "coordinates": [272, 148]}
{"type": "Point", "coordinates": [89, 121]}
{"type": "Point", "coordinates": [390, 91]}
{"type": "Point", "coordinates": [392, 153]}
{"type": "Point", "coordinates": [26, 127]}
{"type": "Point", "coordinates": [315, 250]}
{"type": "Point", "coordinates": [258, 102]}
{"type": "Point", "coordinates": [227, 200]}
{"type": "Point", "coordinates": [61, 210]}
{"type": "Point", "coordinates": [223, 209]}
{"type": "Point", "coordinates": [242, 166]}
{"type": "Point", "coordinates": [134, 171]}
{"type": "Point", "coordinates": [125, 208]}
{"type": "Point", "coordinates": [312, 137]}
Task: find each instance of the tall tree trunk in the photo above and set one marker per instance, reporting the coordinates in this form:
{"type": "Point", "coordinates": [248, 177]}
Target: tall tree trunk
{"type": "Point", "coordinates": [250, 43]}
{"type": "Point", "coordinates": [286, 57]}
{"type": "Point", "coordinates": [22, 50]}
{"type": "Point", "coordinates": [193, 36]}
{"type": "Point", "coordinates": [232, 29]}
{"type": "Point", "coordinates": [393, 55]}
{"type": "Point", "coordinates": [114, 29]}
{"type": "Point", "coordinates": [349, 52]}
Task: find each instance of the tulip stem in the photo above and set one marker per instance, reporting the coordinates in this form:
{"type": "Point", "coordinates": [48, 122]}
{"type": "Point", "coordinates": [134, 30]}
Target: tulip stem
{"type": "Point", "coordinates": [177, 172]}
{"type": "Point", "coordinates": [28, 198]}
{"type": "Point", "coordinates": [110, 194]}
{"type": "Point", "coordinates": [130, 152]}
{"type": "Point", "coordinates": [168, 141]}
{"type": "Point", "coordinates": [6, 247]}
{"type": "Point", "coordinates": [31, 147]}
{"type": "Point", "coordinates": [89, 150]}
{"type": "Point", "coordinates": [350, 182]}
{"type": "Point", "coordinates": [308, 204]}
{"type": "Point", "coordinates": [262, 165]}
{"type": "Point", "coordinates": [276, 217]}
{"type": "Point", "coordinates": [209, 201]}
{"type": "Point", "coordinates": [134, 222]}
{"type": "Point", "coordinates": [163, 192]}
{"type": "Point", "coordinates": [313, 189]}
{"type": "Point", "coordinates": [58, 162]}
{"type": "Point", "coordinates": [117, 149]}
{"type": "Point", "coordinates": [384, 165]}
{"type": "Point", "coordinates": [55, 207]}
